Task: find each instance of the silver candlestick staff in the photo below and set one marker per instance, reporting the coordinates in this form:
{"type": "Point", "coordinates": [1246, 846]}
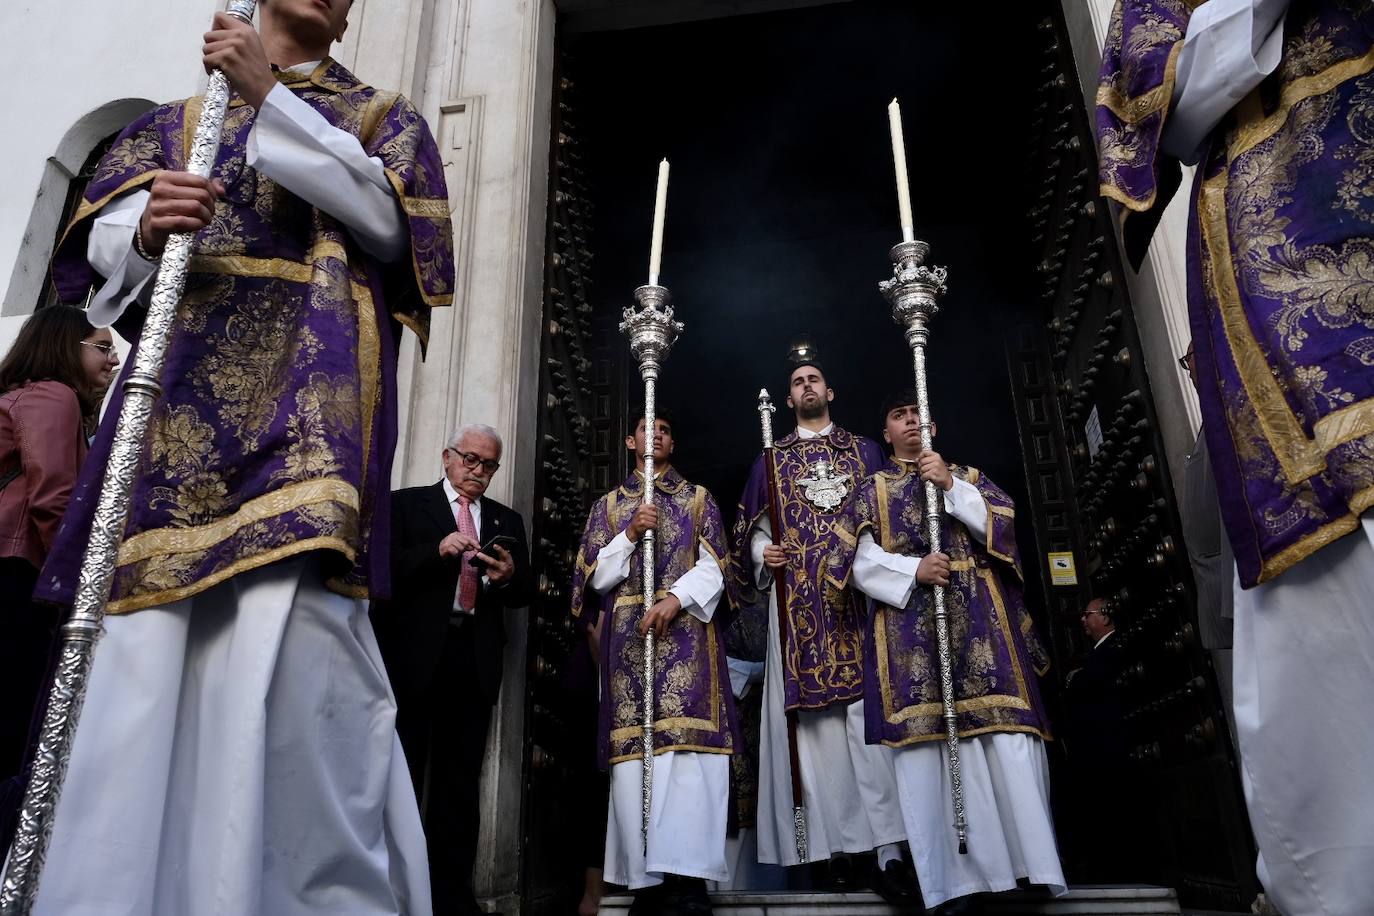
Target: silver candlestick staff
{"type": "Point", "coordinates": [79, 634]}
{"type": "Point", "coordinates": [652, 332]}
{"type": "Point", "coordinates": [912, 292]}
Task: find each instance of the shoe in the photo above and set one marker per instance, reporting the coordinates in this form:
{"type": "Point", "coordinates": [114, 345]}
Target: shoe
{"type": "Point", "coordinates": [649, 901]}
{"type": "Point", "coordinates": [971, 905]}
{"type": "Point", "coordinates": [841, 872]}
{"type": "Point", "coordinates": [896, 883]}
{"type": "Point", "coordinates": [692, 899]}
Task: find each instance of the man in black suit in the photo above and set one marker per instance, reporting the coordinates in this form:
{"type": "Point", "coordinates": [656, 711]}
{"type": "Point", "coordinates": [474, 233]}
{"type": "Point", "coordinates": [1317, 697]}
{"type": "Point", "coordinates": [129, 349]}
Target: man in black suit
{"type": "Point", "coordinates": [1097, 743]}
{"type": "Point", "coordinates": [442, 636]}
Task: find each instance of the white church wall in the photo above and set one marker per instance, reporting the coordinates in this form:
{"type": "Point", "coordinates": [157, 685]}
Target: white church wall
{"type": "Point", "coordinates": [77, 73]}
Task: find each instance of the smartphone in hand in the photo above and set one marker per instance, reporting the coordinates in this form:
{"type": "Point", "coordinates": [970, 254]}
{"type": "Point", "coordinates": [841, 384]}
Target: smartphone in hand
{"type": "Point", "coordinates": [504, 540]}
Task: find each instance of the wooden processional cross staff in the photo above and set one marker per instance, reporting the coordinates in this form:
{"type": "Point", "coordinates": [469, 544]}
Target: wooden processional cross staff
{"type": "Point", "coordinates": [766, 410]}
{"type": "Point", "coordinates": [912, 292]}
{"type": "Point", "coordinates": [79, 634]}
{"type": "Point", "coordinates": [652, 332]}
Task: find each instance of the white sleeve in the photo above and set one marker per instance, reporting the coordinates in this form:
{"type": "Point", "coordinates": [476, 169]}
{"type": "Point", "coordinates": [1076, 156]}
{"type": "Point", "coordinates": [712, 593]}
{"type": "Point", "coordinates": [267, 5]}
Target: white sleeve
{"type": "Point", "coordinates": [886, 577]}
{"type": "Point", "coordinates": [612, 563]}
{"type": "Point", "coordinates": [964, 502]}
{"type": "Point", "coordinates": [1231, 46]}
{"type": "Point", "coordinates": [699, 588]}
{"type": "Point", "coordinates": [742, 674]}
{"type": "Point", "coordinates": [292, 144]}
{"type": "Point", "coordinates": [110, 250]}
{"type": "Point", "coordinates": [760, 536]}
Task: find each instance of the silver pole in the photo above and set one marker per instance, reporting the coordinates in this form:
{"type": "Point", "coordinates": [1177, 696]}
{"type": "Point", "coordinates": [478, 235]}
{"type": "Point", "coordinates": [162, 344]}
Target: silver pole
{"type": "Point", "coordinates": [912, 292]}
{"type": "Point", "coordinates": [141, 390]}
{"type": "Point", "coordinates": [652, 331]}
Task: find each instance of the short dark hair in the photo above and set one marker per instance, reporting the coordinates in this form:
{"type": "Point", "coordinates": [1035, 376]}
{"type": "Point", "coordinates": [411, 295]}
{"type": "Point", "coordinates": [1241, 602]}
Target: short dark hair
{"type": "Point", "coordinates": [904, 398]}
{"type": "Point", "coordinates": [660, 413]}
{"type": "Point", "coordinates": [813, 363]}
{"type": "Point", "coordinates": [48, 348]}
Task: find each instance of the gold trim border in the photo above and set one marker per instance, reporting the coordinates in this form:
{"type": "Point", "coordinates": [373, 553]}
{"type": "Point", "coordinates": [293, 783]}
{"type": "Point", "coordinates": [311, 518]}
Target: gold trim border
{"type": "Point", "coordinates": [171, 595]}
{"type": "Point", "coordinates": [171, 541]}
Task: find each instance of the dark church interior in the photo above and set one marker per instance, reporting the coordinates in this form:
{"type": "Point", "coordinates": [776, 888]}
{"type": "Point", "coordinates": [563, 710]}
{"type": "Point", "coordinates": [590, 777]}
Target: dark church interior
{"type": "Point", "coordinates": [781, 211]}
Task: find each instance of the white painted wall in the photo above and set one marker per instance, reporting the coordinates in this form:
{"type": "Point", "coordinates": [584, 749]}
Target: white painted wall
{"type": "Point", "coordinates": [64, 65]}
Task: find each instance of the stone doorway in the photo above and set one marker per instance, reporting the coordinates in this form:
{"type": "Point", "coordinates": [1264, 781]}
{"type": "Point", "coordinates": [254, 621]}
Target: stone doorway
{"type": "Point", "coordinates": [781, 210]}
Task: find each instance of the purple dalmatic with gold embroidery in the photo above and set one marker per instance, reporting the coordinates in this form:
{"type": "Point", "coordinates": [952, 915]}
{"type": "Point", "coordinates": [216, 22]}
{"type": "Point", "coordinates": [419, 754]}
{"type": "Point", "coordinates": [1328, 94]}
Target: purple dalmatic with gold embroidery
{"type": "Point", "coordinates": [817, 477]}
{"type": "Point", "coordinates": [1281, 287]}
{"type": "Point", "coordinates": [276, 427]}
{"type": "Point", "coordinates": [692, 700]}
{"type": "Point", "coordinates": [996, 653]}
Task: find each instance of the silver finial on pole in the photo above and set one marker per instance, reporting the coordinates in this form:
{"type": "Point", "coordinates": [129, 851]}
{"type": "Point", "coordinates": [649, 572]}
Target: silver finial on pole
{"type": "Point", "coordinates": [766, 411]}
{"type": "Point", "coordinates": [141, 390]}
{"type": "Point", "coordinates": [913, 292]}
{"type": "Point", "coordinates": [652, 332]}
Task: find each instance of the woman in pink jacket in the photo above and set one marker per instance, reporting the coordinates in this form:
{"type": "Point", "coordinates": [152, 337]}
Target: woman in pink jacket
{"type": "Point", "coordinates": [52, 382]}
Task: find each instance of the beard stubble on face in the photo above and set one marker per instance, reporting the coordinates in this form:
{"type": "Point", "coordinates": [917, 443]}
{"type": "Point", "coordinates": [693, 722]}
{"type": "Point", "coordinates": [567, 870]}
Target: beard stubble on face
{"type": "Point", "coordinates": [812, 408]}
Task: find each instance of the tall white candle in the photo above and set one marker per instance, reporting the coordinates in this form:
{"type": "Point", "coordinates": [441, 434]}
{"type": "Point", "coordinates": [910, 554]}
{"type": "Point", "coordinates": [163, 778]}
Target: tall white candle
{"type": "Point", "coordinates": [660, 205]}
{"type": "Point", "coordinates": [894, 123]}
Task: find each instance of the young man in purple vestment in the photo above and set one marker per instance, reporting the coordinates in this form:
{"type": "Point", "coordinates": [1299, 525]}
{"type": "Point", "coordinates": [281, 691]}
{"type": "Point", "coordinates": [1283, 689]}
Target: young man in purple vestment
{"type": "Point", "coordinates": [238, 750]}
{"type": "Point", "coordinates": [695, 729]}
{"type": "Point", "coordinates": [1274, 101]}
{"type": "Point", "coordinates": [816, 667]}
{"type": "Point", "coordinates": [996, 654]}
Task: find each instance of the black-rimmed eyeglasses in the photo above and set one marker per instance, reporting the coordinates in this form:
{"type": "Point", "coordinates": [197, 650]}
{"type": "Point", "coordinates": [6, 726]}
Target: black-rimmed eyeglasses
{"type": "Point", "coordinates": [472, 461]}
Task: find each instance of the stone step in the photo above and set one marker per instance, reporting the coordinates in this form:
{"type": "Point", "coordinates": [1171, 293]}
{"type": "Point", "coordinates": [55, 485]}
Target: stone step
{"type": "Point", "coordinates": [1098, 900]}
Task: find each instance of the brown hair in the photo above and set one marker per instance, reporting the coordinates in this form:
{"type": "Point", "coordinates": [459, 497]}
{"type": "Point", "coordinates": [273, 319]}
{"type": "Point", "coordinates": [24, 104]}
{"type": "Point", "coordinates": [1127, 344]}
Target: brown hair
{"type": "Point", "coordinates": [48, 348]}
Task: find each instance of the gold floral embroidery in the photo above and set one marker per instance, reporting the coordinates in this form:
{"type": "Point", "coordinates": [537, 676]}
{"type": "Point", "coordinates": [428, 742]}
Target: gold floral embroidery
{"type": "Point", "coordinates": [136, 153]}
{"type": "Point", "coordinates": [184, 444]}
{"type": "Point", "coordinates": [251, 362]}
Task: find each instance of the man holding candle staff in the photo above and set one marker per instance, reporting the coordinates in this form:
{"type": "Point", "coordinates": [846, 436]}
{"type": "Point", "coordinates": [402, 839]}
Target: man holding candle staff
{"type": "Point", "coordinates": [816, 667]}
{"type": "Point", "coordinates": [695, 729]}
{"type": "Point", "coordinates": [1002, 725]}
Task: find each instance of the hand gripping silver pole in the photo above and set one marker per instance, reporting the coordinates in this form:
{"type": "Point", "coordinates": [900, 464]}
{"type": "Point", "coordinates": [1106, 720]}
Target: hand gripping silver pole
{"type": "Point", "coordinates": [652, 331]}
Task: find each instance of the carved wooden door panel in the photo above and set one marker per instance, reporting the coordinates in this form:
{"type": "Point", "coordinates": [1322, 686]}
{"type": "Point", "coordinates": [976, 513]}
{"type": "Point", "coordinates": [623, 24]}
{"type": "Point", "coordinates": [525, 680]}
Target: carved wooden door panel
{"type": "Point", "coordinates": [580, 456]}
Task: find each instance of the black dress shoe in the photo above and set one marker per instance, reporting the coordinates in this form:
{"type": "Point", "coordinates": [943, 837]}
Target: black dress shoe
{"type": "Point", "coordinates": [896, 883]}
{"type": "Point", "coordinates": [841, 872]}
{"type": "Point", "coordinates": [692, 899]}
{"type": "Point", "coordinates": [971, 905]}
{"type": "Point", "coordinates": [649, 901]}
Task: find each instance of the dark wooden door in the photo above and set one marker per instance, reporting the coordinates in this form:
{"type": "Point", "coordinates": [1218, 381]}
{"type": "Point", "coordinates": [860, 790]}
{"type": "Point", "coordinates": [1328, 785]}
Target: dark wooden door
{"type": "Point", "coordinates": [580, 456]}
{"type": "Point", "coordinates": [1101, 492]}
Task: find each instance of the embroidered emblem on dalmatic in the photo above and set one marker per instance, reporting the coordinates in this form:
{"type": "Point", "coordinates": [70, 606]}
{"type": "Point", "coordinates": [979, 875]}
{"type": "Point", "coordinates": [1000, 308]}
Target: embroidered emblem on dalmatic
{"type": "Point", "coordinates": [823, 488]}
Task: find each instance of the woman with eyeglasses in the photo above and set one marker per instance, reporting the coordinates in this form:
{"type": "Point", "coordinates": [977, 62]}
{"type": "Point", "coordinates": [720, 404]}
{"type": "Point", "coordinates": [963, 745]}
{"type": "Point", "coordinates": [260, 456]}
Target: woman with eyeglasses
{"type": "Point", "coordinates": [52, 382]}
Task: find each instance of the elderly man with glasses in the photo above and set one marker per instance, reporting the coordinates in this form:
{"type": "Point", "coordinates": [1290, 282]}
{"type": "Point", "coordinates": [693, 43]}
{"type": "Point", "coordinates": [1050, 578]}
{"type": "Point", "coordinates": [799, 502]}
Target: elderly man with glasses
{"type": "Point", "coordinates": [459, 561]}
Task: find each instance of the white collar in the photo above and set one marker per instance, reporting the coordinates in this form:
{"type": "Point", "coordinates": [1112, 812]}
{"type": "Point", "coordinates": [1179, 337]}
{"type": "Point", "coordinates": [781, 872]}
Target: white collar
{"type": "Point", "coordinates": [452, 494]}
{"type": "Point", "coordinates": [1109, 635]}
{"type": "Point", "coordinates": [804, 433]}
